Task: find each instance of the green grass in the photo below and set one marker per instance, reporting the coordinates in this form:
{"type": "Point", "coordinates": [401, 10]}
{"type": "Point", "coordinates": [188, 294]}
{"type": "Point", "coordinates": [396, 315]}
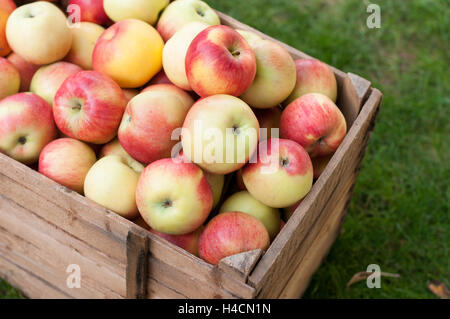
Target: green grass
{"type": "Point", "coordinates": [399, 216]}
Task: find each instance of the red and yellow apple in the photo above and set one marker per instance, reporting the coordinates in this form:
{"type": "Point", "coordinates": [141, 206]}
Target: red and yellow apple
{"type": "Point", "coordinates": [313, 76]}
{"type": "Point", "coordinates": [48, 79]}
{"type": "Point", "coordinates": [130, 52]}
{"type": "Point", "coordinates": [220, 134]}
{"type": "Point", "coordinates": [150, 120]}
{"type": "Point", "coordinates": [25, 68]}
{"type": "Point", "coordinates": [67, 161]}
{"type": "Point", "coordinates": [114, 148]}
{"type": "Point", "coordinates": [174, 53]}
{"type": "Point", "coordinates": [39, 33]}
{"type": "Point", "coordinates": [281, 175]}
{"type": "Point", "coordinates": [244, 202]}
{"type": "Point", "coordinates": [144, 10]}
{"type": "Point", "coordinates": [84, 38]}
{"type": "Point", "coordinates": [26, 126]}
{"type": "Point", "coordinates": [220, 61]}
{"type": "Point", "coordinates": [91, 11]}
{"type": "Point", "coordinates": [174, 197]}
{"type": "Point", "coordinates": [181, 12]}
{"type": "Point", "coordinates": [111, 182]}
{"type": "Point", "coordinates": [10, 79]}
{"type": "Point", "coordinates": [89, 106]}
{"type": "Point", "coordinates": [315, 122]}
{"type": "Point", "coordinates": [232, 233]}
{"type": "Point", "coordinates": [275, 73]}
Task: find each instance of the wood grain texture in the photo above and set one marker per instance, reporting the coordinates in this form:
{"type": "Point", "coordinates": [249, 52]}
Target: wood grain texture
{"type": "Point", "coordinates": [137, 264]}
{"type": "Point", "coordinates": [270, 271]}
{"type": "Point", "coordinates": [241, 265]}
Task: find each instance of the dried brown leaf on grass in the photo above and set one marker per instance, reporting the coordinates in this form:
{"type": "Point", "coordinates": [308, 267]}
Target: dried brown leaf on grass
{"type": "Point", "coordinates": [439, 289]}
{"type": "Point", "coordinates": [363, 275]}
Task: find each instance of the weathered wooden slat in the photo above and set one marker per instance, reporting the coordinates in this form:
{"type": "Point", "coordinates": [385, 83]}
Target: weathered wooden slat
{"type": "Point", "coordinates": [137, 265]}
{"type": "Point", "coordinates": [241, 265]}
{"type": "Point", "coordinates": [285, 246]}
{"type": "Point", "coordinates": [25, 237]}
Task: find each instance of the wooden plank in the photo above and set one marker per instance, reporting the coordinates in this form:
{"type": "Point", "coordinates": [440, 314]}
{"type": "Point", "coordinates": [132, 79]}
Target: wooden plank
{"type": "Point", "coordinates": [169, 261]}
{"type": "Point", "coordinates": [318, 250]}
{"type": "Point", "coordinates": [241, 265]}
{"type": "Point", "coordinates": [157, 290]}
{"type": "Point", "coordinates": [352, 96]}
{"type": "Point", "coordinates": [70, 220]}
{"type": "Point", "coordinates": [137, 270]}
{"type": "Point", "coordinates": [26, 239]}
{"type": "Point", "coordinates": [271, 268]}
{"type": "Point", "coordinates": [79, 207]}
{"type": "Point", "coordinates": [30, 285]}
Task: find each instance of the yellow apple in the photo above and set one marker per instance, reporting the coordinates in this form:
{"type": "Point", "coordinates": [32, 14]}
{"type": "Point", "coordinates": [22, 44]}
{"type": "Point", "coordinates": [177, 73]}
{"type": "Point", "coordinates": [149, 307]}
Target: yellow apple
{"type": "Point", "coordinates": [112, 183]}
{"type": "Point", "coordinates": [144, 10]}
{"type": "Point", "coordinates": [84, 39]}
{"type": "Point", "coordinates": [39, 33]}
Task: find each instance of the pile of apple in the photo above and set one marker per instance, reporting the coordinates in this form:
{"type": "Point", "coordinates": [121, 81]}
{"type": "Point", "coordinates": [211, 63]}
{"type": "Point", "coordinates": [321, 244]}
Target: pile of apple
{"type": "Point", "coordinates": [146, 106]}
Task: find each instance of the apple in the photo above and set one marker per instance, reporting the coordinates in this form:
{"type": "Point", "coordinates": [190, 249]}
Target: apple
{"type": "Point", "coordinates": [216, 182]}
{"type": "Point", "coordinates": [114, 148]}
{"type": "Point", "coordinates": [91, 11]}
{"type": "Point", "coordinates": [10, 79]}
{"type": "Point", "coordinates": [181, 12]}
{"type": "Point", "coordinates": [281, 175]}
{"type": "Point", "coordinates": [130, 93]}
{"type": "Point", "coordinates": [174, 197]}
{"type": "Point", "coordinates": [320, 163]}
{"type": "Point", "coordinates": [130, 52]}
{"type": "Point", "coordinates": [269, 119]}
{"type": "Point", "coordinates": [231, 233]}
{"type": "Point", "coordinates": [313, 76]}
{"type": "Point", "coordinates": [25, 68]}
{"type": "Point", "coordinates": [174, 53]}
{"type": "Point", "coordinates": [67, 162]}
{"type": "Point", "coordinates": [244, 202]}
{"type": "Point", "coordinates": [220, 61]}
{"type": "Point", "coordinates": [282, 225]}
{"type": "Point", "coordinates": [112, 183]}
{"type": "Point", "coordinates": [6, 7]}
{"type": "Point", "coordinates": [315, 122]}
{"type": "Point", "coordinates": [84, 38]}
{"type": "Point", "coordinates": [48, 79]}
{"type": "Point", "coordinates": [39, 33]}
{"type": "Point", "coordinates": [26, 126]}
{"type": "Point", "coordinates": [144, 10]}
{"type": "Point", "coordinates": [160, 78]}
{"type": "Point", "coordinates": [275, 73]}
{"type": "Point", "coordinates": [150, 120]}
{"type": "Point", "coordinates": [220, 133]}
{"type": "Point", "coordinates": [188, 242]}
{"type": "Point", "coordinates": [89, 106]}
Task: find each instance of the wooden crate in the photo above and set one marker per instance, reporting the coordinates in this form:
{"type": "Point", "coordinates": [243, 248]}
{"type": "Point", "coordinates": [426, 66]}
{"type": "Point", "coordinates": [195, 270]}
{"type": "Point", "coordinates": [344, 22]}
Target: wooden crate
{"type": "Point", "coordinates": [44, 228]}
